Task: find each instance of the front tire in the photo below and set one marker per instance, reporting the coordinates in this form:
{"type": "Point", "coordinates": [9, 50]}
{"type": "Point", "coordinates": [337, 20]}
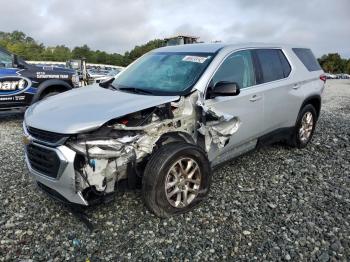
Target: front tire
{"type": "Point", "coordinates": [176, 179]}
{"type": "Point", "coordinates": [304, 127]}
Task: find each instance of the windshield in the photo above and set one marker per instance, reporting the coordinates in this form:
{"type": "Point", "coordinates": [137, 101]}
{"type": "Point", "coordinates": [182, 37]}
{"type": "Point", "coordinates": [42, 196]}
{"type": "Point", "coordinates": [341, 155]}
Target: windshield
{"type": "Point", "coordinates": [164, 73]}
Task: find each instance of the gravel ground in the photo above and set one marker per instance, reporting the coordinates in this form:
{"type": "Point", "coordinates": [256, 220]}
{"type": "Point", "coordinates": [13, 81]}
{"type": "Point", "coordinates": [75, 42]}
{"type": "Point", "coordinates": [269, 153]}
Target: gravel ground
{"type": "Point", "coordinates": [273, 204]}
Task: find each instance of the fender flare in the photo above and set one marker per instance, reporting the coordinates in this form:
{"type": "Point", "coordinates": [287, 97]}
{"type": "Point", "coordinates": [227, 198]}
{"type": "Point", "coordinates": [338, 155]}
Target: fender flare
{"type": "Point", "coordinates": [51, 82]}
{"type": "Point", "coordinates": [308, 99]}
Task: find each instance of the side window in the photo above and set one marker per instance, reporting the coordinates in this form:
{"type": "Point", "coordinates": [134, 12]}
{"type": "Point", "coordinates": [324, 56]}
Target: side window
{"type": "Point", "coordinates": [307, 58]}
{"type": "Point", "coordinates": [5, 60]}
{"type": "Point", "coordinates": [273, 63]}
{"type": "Point", "coordinates": [237, 68]}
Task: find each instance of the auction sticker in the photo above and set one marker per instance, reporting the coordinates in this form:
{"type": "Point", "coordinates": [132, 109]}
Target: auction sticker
{"type": "Point", "coordinates": [195, 59]}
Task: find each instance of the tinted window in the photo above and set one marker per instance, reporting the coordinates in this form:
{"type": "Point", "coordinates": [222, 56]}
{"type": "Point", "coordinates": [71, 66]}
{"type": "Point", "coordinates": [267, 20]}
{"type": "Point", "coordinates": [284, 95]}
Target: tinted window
{"type": "Point", "coordinates": [237, 68]}
{"type": "Point", "coordinates": [273, 63]}
{"type": "Point", "coordinates": [5, 60]}
{"type": "Point", "coordinates": [307, 58]}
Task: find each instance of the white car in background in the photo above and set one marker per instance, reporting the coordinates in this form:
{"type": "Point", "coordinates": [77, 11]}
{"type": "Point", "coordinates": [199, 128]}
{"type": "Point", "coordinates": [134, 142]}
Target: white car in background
{"type": "Point", "coordinates": [343, 76]}
{"type": "Point", "coordinates": [111, 74]}
{"type": "Point", "coordinates": [95, 73]}
{"type": "Point", "coordinates": [330, 76]}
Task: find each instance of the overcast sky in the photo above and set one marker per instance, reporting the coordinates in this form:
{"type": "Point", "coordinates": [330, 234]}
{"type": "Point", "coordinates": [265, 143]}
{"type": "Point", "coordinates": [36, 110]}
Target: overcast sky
{"type": "Point", "coordinates": [117, 26]}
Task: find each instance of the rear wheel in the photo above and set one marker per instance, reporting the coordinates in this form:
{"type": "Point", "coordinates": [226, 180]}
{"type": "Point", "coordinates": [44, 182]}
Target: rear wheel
{"type": "Point", "coordinates": [305, 126]}
{"type": "Point", "coordinates": [177, 178]}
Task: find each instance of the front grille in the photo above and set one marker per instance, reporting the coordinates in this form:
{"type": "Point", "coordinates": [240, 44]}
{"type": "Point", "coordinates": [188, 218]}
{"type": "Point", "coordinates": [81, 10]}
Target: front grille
{"type": "Point", "coordinates": [43, 160]}
{"type": "Point", "coordinates": [45, 136]}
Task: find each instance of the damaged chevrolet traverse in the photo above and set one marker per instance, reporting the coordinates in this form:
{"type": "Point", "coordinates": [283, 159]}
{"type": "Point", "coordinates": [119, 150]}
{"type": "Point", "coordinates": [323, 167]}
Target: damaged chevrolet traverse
{"type": "Point", "coordinates": [168, 119]}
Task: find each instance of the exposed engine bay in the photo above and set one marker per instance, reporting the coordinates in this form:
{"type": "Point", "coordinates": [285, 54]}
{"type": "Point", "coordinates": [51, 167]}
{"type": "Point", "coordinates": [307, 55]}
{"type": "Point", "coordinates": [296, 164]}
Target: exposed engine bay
{"type": "Point", "coordinates": [117, 150]}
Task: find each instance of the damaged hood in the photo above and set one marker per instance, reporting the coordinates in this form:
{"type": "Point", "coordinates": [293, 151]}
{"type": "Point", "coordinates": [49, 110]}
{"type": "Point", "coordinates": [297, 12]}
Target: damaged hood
{"type": "Point", "coordinates": [87, 108]}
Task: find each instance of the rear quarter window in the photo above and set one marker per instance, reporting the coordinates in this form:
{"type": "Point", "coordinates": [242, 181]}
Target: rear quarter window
{"type": "Point", "coordinates": [307, 58]}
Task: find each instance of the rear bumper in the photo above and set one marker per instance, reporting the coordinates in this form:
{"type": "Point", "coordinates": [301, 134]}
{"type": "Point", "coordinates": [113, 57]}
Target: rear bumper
{"type": "Point", "coordinates": [61, 187]}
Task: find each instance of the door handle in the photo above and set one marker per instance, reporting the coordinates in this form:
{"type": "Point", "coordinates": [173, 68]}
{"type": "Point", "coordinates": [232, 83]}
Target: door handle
{"type": "Point", "coordinates": [296, 86]}
{"type": "Point", "coordinates": [254, 98]}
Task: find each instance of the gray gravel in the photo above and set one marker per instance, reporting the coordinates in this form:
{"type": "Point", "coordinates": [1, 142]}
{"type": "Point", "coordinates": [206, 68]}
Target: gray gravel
{"type": "Point", "coordinates": [273, 204]}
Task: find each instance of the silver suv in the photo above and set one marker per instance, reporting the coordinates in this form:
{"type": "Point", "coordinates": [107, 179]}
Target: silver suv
{"type": "Point", "coordinates": [168, 119]}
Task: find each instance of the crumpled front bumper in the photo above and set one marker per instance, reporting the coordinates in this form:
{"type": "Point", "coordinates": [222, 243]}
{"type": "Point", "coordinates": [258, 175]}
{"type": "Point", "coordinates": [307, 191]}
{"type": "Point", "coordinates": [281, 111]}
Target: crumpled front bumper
{"type": "Point", "coordinates": [61, 187]}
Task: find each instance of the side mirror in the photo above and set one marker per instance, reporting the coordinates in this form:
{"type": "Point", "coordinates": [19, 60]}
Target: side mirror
{"type": "Point", "coordinates": [224, 88]}
{"type": "Point", "coordinates": [105, 83]}
{"type": "Point", "coordinates": [14, 60]}
{"type": "Point", "coordinates": [16, 63]}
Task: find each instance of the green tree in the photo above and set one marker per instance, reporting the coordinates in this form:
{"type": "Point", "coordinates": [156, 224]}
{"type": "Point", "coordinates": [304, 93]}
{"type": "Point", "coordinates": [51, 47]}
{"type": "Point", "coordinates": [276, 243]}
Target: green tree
{"type": "Point", "coordinates": [61, 53]}
{"type": "Point", "coordinates": [141, 50]}
{"type": "Point", "coordinates": [26, 47]}
{"type": "Point", "coordinates": [115, 59]}
{"type": "Point", "coordinates": [347, 67]}
{"type": "Point", "coordinates": [100, 57]}
{"type": "Point", "coordinates": [333, 63]}
{"type": "Point", "coordinates": [82, 52]}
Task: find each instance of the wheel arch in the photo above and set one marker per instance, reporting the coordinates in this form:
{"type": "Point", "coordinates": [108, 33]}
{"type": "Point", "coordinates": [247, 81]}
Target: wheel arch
{"type": "Point", "coordinates": [315, 101]}
{"type": "Point", "coordinates": [164, 139]}
{"type": "Point", "coordinates": [50, 85]}
{"type": "Point", "coordinates": [177, 136]}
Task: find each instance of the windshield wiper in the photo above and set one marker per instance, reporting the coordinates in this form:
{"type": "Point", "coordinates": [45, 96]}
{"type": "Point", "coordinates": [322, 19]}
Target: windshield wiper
{"type": "Point", "coordinates": [111, 86]}
{"type": "Point", "coordinates": [136, 90]}
{"type": "Point", "coordinates": [107, 83]}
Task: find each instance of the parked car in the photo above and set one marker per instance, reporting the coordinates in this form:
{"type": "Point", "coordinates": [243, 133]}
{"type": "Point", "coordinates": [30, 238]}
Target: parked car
{"type": "Point", "coordinates": [111, 74]}
{"type": "Point", "coordinates": [330, 76]}
{"type": "Point", "coordinates": [169, 118]}
{"type": "Point", "coordinates": [343, 76]}
{"type": "Point", "coordinates": [95, 73]}
{"type": "Point", "coordinates": [23, 84]}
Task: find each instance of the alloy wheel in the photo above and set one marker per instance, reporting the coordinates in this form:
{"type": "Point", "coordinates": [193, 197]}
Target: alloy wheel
{"type": "Point", "coordinates": [306, 127]}
{"type": "Point", "coordinates": [182, 182]}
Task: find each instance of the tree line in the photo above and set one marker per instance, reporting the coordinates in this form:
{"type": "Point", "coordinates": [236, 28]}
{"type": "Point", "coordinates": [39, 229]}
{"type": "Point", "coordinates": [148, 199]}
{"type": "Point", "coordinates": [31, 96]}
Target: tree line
{"type": "Point", "coordinates": [26, 47]}
{"type": "Point", "coordinates": [333, 63]}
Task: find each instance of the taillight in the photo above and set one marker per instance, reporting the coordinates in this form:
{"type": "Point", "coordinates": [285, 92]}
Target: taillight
{"type": "Point", "coordinates": [323, 78]}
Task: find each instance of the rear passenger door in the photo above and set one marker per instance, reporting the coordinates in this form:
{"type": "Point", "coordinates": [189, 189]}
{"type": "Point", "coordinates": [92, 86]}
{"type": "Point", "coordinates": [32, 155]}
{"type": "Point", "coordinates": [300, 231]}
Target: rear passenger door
{"type": "Point", "coordinates": [282, 96]}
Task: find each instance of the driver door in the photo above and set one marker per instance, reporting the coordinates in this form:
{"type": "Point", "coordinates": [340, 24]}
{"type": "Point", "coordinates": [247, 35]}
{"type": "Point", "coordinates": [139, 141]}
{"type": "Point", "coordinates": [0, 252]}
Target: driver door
{"type": "Point", "coordinates": [247, 106]}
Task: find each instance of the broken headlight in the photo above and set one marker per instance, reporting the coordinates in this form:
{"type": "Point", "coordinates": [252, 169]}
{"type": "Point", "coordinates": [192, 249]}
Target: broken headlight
{"type": "Point", "coordinates": [102, 148]}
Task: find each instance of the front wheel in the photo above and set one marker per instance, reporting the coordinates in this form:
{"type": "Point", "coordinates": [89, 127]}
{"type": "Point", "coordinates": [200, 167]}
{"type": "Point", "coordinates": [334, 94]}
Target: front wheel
{"type": "Point", "coordinates": [176, 178]}
{"type": "Point", "coordinates": [305, 126]}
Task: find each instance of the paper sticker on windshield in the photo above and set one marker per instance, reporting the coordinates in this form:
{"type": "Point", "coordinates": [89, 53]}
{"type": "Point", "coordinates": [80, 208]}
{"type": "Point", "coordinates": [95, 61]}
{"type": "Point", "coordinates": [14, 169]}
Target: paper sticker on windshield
{"type": "Point", "coordinates": [195, 59]}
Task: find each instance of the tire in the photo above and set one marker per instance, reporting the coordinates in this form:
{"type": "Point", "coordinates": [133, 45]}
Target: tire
{"type": "Point", "coordinates": [49, 94]}
{"type": "Point", "coordinates": [298, 139]}
{"type": "Point", "coordinates": [163, 169]}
